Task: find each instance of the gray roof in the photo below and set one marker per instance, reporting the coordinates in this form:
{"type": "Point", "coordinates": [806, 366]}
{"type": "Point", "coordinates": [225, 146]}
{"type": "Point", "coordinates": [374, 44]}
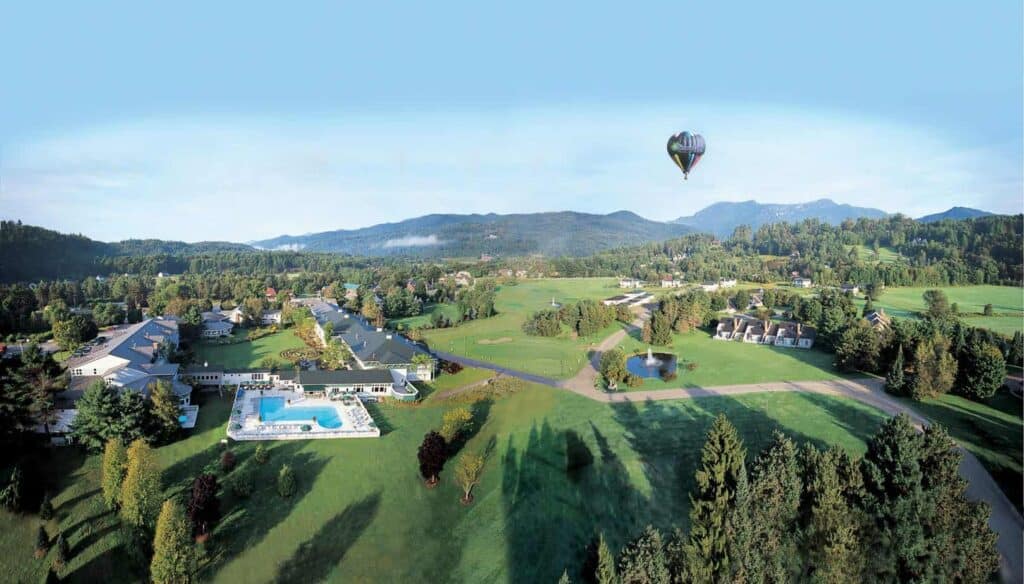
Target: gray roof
{"type": "Point", "coordinates": [133, 343]}
{"type": "Point", "coordinates": [218, 325]}
{"type": "Point", "coordinates": [369, 344]}
{"type": "Point", "coordinates": [345, 376]}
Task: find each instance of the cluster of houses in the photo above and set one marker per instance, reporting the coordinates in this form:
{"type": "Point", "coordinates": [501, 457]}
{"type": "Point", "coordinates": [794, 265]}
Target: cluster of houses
{"type": "Point", "coordinates": [221, 322]}
{"type": "Point", "coordinates": [629, 299]}
{"type": "Point", "coordinates": [765, 332]}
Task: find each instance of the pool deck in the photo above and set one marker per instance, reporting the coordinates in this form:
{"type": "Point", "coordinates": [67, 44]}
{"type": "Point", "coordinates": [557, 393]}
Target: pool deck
{"type": "Point", "coordinates": [245, 423]}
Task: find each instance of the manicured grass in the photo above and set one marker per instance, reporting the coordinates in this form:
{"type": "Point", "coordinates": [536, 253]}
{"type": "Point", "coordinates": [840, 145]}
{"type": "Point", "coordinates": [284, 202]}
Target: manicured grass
{"type": "Point", "coordinates": [501, 340]}
{"type": "Point", "coordinates": [1007, 303]}
{"type": "Point", "coordinates": [560, 469]}
{"type": "Point", "coordinates": [444, 383]}
{"type": "Point", "coordinates": [424, 319]}
{"type": "Point", "coordinates": [733, 362]}
{"type": "Point", "coordinates": [991, 430]}
{"type": "Point", "coordinates": [247, 353]}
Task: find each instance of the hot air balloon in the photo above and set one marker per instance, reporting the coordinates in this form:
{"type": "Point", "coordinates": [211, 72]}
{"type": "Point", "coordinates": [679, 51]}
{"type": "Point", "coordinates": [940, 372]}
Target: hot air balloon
{"type": "Point", "coordinates": [685, 149]}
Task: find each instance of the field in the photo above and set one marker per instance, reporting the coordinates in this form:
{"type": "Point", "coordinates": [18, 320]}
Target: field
{"type": "Point", "coordinates": [727, 363]}
{"type": "Point", "coordinates": [1007, 304]}
{"type": "Point", "coordinates": [501, 340]}
{"type": "Point", "coordinates": [449, 310]}
{"type": "Point", "coordinates": [886, 255]}
{"type": "Point", "coordinates": [560, 468]}
{"type": "Point", "coordinates": [248, 353]}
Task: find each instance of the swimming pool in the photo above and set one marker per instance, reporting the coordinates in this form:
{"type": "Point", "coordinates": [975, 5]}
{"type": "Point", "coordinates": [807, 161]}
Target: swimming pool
{"type": "Point", "coordinates": [274, 409]}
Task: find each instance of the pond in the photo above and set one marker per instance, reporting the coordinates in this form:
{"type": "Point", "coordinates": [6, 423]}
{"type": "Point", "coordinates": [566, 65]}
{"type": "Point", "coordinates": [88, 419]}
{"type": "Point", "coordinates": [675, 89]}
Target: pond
{"type": "Point", "coordinates": [652, 365]}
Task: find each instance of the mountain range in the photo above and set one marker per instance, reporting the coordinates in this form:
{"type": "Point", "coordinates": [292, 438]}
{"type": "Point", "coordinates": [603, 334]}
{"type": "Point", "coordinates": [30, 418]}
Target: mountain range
{"type": "Point", "coordinates": [551, 234]}
{"type": "Point", "coordinates": [721, 218]}
{"type": "Point", "coordinates": [955, 213]}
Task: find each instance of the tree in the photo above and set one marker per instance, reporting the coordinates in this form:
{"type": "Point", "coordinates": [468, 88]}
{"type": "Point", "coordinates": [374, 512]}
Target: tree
{"type": "Point", "coordinates": [203, 505]}
{"type": "Point", "coordinates": [873, 290]}
{"type": "Point", "coordinates": [564, 578]}
{"type": "Point", "coordinates": [141, 492]}
{"type": "Point", "coordinates": [613, 365]}
{"type": "Point", "coordinates": [830, 528]}
{"type": "Point", "coordinates": [174, 554]}
{"type": "Point", "coordinates": [261, 455]}
{"type": "Point", "coordinates": [132, 417]}
{"type": "Point", "coordinates": [63, 552]}
{"type": "Point", "coordinates": [46, 507]}
{"type": "Point", "coordinates": [643, 561]}
{"type": "Point", "coordinates": [468, 472]}
{"type": "Point", "coordinates": [859, 348]}
{"type": "Point", "coordinates": [765, 524]}
{"type": "Point", "coordinates": [454, 423]}
{"type": "Point", "coordinates": [1015, 352]}
{"type": "Point", "coordinates": [432, 455]}
{"type": "Point", "coordinates": [983, 371]}
{"type": "Point", "coordinates": [42, 542]}
{"type": "Point", "coordinates": [721, 468]}
{"type": "Point", "coordinates": [661, 329]}
{"type": "Point", "coordinates": [935, 368]}
{"type": "Point", "coordinates": [987, 311]}
{"type": "Point", "coordinates": [164, 411]}
{"type": "Point", "coordinates": [606, 572]}
{"type": "Point", "coordinates": [73, 331]}
{"type": "Point", "coordinates": [12, 497]}
{"type": "Point", "coordinates": [742, 300]}
{"type": "Point", "coordinates": [286, 483]}
{"type": "Point", "coordinates": [895, 379]}
{"type": "Point", "coordinates": [98, 412]}
{"type": "Point", "coordinates": [228, 460]}
{"type": "Point", "coordinates": [937, 303]}
{"type": "Point", "coordinates": [115, 465]}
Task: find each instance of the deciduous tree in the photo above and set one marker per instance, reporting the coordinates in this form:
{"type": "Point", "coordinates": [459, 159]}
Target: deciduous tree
{"type": "Point", "coordinates": [174, 554]}
{"type": "Point", "coordinates": [432, 455]}
{"type": "Point", "coordinates": [114, 467]}
{"type": "Point", "coordinates": [141, 492]}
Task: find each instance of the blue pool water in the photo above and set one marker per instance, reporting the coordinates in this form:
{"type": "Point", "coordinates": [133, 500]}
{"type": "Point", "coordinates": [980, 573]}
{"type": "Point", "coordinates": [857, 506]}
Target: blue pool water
{"type": "Point", "coordinates": [274, 409]}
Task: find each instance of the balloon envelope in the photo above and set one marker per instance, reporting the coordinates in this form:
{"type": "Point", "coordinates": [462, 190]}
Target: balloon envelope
{"type": "Point", "coordinates": [685, 149]}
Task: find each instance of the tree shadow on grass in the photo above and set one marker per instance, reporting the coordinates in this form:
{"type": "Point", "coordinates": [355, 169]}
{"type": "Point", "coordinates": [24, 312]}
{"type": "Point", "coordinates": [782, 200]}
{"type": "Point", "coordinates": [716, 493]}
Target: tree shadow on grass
{"type": "Point", "coordinates": [480, 411]}
{"type": "Point", "coordinates": [179, 476]}
{"type": "Point", "coordinates": [247, 521]}
{"type": "Point", "coordinates": [382, 421]}
{"type": "Point", "coordinates": [318, 555]}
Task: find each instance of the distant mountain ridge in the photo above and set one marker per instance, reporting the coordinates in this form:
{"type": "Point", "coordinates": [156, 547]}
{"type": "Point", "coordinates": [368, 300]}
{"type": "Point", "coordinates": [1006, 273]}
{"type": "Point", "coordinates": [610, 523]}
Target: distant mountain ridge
{"type": "Point", "coordinates": [449, 235]}
{"type": "Point", "coordinates": [721, 218]}
{"type": "Point", "coordinates": [955, 213]}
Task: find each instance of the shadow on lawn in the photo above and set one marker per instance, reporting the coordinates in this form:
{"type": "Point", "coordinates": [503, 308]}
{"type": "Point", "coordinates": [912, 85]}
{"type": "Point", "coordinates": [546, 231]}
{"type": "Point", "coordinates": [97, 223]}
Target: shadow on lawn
{"type": "Point", "coordinates": [247, 521]}
{"type": "Point", "coordinates": [318, 555]}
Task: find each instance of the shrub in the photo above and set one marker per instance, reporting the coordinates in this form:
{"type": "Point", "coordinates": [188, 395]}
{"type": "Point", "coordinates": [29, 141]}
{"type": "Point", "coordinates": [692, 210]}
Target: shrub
{"type": "Point", "coordinates": [262, 455]}
{"type": "Point", "coordinates": [63, 552]}
{"type": "Point", "coordinates": [286, 481]}
{"type": "Point", "coordinates": [669, 376]}
{"type": "Point", "coordinates": [243, 482]}
{"type": "Point", "coordinates": [455, 422]}
{"type": "Point", "coordinates": [306, 428]}
{"type": "Point", "coordinates": [691, 366]}
{"type": "Point", "coordinates": [46, 508]}
{"type": "Point", "coordinates": [228, 460]}
{"type": "Point", "coordinates": [633, 380]}
{"type": "Point", "coordinates": [42, 542]}
{"type": "Point", "coordinates": [203, 505]}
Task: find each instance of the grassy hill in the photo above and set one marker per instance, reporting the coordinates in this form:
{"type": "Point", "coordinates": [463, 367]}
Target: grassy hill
{"type": "Point", "coordinates": [1007, 305]}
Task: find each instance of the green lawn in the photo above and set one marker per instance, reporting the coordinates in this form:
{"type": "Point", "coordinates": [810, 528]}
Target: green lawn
{"type": "Point", "coordinates": [500, 339]}
{"type": "Point", "coordinates": [991, 430]}
{"type": "Point", "coordinates": [1007, 303]}
{"type": "Point", "coordinates": [886, 255]}
{"type": "Point", "coordinates": [424, 319]}
{"type": "Point", "coordinates": [560, 468]}
{"type": "Point", "coordinates": [246, 353]}
{"type": "Point", "coordinates": [732, 362]}
{"type": "Point", "coordinates": [443, 383]}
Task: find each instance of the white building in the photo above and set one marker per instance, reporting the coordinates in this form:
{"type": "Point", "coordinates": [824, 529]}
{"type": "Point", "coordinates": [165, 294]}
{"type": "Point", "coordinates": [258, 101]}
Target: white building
{"type": "Point", "coordinates": [727, 282]}
{"type": "Point", "coordinates": [271, 317]}
{"type": "Point", "coordinates": [216, 328]}
{"type": "Point", "coordinates": [630, 283]}
{"type": "Point", "coordinates": [672, 283]}
{"type": "Point", "coordinates": [802, 282]}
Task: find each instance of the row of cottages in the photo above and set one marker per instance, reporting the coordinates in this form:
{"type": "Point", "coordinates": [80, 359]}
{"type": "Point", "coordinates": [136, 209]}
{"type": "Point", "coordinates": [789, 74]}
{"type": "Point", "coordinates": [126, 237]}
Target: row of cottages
{"type": "Point", "coordinates": [128, 358]}
{"type": "Point", "coordinates": [722, 283]}
{"type": "Point", "coordinates": [766, 332]}
{"type": "Point", "coordinates": [371, 347]}
{"type": "Point", "coordinates": [364, 383]}
{"type": "Point", "coordinates": [630, 283]}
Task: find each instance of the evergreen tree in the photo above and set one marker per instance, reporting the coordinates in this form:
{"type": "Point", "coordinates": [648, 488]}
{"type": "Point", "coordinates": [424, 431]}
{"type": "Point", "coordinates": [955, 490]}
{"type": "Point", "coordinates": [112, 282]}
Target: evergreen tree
{"type": "Point", "coordinates": [98, 412]}
{"type": "Point", "coordinates": [895, 380]}
{"type": "Point", "coordinates": [606, 572]}
{"type": "Point", "coordinates": [141, 492]}
{"type": "Point", "coordinates": [830, 522]}
{"type": "Point", "coordinates": [1015, 352]}
{"type": "Point", "coordinates": [721, 466]}
{"type": "Point", "coordinates": [115, 465]}
{"type": "Point", "coordinates": [132, 417]}
{"type": "Point", "coordinates": [982, 371]}
{"type": "Point", "coordinates": [63, 553]}
{"type": "Point", "coordinates": [42, 542]}
{"type": "Point", "coordinates": [262, 455]}
{"type": "Point", "coordinates": [174, 555]}
{"type": "Point", "coordinates": [564, 579]}
{"type": "Point", "coordinates": [643, 561]}
{"type": "Point", "coordinates": [286, 483]}
{"type": "Point", "coordinates": [12, 497]}
{"type": "Point", "coordinates": [46, 508]}
{"type": "Point", "coordinates": [935, 368]}
{"type": "Point", "coordinates": [164, 410]}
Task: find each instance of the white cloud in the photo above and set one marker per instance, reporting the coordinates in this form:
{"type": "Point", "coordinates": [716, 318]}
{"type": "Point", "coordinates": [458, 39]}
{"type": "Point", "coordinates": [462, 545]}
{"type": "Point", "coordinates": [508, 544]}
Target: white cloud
{"type": "Point", "coordinates": [244, 179]}
{"type": "Point", "coordinates": [413, 241]}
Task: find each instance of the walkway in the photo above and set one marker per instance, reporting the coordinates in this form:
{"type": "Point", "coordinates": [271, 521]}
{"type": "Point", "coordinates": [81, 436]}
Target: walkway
{"type": "Point", "coordinates": [1005, 520]}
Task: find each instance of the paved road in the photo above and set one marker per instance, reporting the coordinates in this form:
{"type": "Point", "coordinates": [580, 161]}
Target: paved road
{"type": "Point", "coordinates": [1005, 520]}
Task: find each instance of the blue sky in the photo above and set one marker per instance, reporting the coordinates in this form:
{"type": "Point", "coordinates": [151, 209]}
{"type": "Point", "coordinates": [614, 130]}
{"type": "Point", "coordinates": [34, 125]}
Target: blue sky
{"type": "Point", "coordinates": [228, 121]}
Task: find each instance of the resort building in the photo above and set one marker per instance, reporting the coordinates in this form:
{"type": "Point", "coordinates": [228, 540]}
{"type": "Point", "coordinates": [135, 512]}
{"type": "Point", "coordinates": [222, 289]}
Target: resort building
{"type": "Point", "coordinates": [672, 283]}
{"type": "Point", "coordinates": [751, 330]}
{"type": "Point", "coordinates": [802, 282]}
{"type": "Point", "coordinates": [270, 317]}
{"type": "Point", "coordinates": [129, 358]}
{"type": "Point", "coordinates": [366, 383]}
{"type": "Point", "coordinates": [631, 283]}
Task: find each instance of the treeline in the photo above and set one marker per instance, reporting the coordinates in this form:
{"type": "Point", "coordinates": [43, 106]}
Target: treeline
{"type": "Point", "coordinates": [984, 250]}
{"type": "Point", "coordinates": [584, 318]}
{"type": "Point", "coordinates": [899, 514]}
